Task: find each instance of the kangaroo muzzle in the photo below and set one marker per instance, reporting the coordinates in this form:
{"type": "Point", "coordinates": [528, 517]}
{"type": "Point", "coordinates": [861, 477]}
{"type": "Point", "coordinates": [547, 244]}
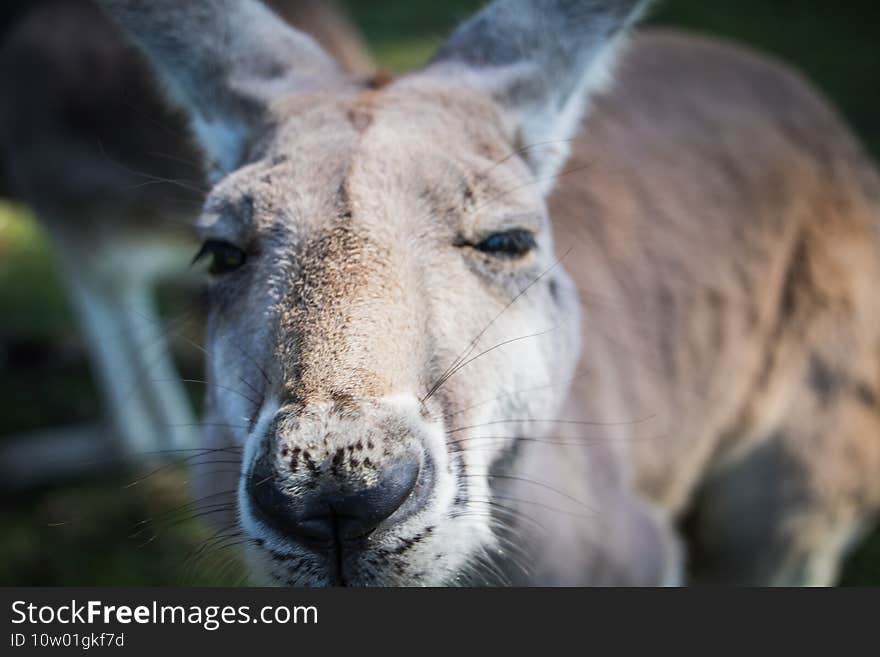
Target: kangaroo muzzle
{"type": "Point", "coordinates": [330, 478]}
{"type": "Point", "coordinates": [338, 512]}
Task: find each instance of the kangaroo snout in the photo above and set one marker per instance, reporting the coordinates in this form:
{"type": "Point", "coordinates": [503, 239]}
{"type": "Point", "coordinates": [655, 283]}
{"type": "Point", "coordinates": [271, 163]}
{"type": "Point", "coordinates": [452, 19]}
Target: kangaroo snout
{"type": "Point", "coordinates": [337, 509]}
{"type": "Point", "coordinates": [341, 480]}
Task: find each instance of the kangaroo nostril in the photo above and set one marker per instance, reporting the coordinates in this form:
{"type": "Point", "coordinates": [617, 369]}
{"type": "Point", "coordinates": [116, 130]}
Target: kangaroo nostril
{"type": "Point", "coordinates": [275, 505]}
{"type": "Point", "coordinates": [327, 516]}
{"type": "Point", "coordinates": [360, 512]}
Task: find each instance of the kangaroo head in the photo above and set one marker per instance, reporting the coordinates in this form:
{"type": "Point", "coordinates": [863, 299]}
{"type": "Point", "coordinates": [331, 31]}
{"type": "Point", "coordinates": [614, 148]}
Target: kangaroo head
{"type": "Point", "coordinates": [385, 286]}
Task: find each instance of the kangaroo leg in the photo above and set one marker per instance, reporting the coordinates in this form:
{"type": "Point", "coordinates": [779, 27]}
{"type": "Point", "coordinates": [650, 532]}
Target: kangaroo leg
{"type": "Point", "coordinates": [104, 330]}
{"type": "Point", "coordinates": [159, 380]}
{"type": "Point", "coordinates": [788, 511]}
{"type": "Point", "coordinates": [129, 353]}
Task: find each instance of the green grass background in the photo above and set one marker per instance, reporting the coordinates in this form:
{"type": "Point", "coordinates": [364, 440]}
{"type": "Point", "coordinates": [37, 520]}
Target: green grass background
{"type": "Point", "coordinates": [93, 532]}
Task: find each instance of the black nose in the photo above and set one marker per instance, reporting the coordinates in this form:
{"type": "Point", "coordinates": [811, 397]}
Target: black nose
{"type": "Point", "coordinates": [329, 513]}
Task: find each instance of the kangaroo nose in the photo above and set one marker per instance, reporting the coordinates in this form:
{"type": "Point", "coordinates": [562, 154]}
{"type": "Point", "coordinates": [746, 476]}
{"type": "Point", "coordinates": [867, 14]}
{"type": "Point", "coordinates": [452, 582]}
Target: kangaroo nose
{"type": "Point", "coordinates": [327, 516]}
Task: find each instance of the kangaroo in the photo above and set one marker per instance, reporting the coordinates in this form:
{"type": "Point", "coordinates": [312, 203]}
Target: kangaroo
{"type": "Point", "coordinates": [503, 320]}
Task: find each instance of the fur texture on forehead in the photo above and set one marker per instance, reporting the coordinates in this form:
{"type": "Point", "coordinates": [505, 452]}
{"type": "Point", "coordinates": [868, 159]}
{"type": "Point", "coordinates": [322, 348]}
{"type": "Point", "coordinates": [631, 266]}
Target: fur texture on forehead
{"type": "Point", "coordinates": [417, 156]}
{"type": "Point", "coordinates": [411, 107]}
{"type": "Point", "coordinates": [365, 203]}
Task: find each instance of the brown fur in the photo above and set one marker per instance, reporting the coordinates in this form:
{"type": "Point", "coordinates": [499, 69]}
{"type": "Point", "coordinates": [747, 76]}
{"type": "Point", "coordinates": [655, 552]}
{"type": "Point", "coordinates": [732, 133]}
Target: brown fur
{"type": "Point", "coordinates": [724, 239]}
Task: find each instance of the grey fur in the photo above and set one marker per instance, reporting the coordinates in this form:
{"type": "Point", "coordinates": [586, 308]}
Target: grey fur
{"type": "Point", "coordinates": [539, 59]}
{"type": "Point", "coordinates": [223, 60]}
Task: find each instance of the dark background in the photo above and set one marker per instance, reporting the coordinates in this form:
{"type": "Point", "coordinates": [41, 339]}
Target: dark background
{"type": "Point", "coordinates": [94, 531]}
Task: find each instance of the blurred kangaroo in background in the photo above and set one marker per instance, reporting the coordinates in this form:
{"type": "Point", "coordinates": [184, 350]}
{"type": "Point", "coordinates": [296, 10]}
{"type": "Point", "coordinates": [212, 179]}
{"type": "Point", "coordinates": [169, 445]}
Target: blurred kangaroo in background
{"type": "Point", "coordinates": [88, 141]}
{"type": "Point", "coordinates": [427, 385]}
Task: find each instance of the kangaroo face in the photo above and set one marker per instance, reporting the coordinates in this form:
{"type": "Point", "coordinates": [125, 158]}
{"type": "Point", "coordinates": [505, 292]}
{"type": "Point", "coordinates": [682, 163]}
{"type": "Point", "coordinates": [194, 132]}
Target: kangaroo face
{"type": "Point", "coordinates": [388, 314]}
{"type": "Point", "coordinates": [385, 287]}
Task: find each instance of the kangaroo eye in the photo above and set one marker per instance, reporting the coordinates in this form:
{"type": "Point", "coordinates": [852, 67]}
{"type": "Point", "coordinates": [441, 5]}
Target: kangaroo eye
{"type": "Point", "coordinates": [225, 257]}
{"type": "Point", "coordinates": [514, 243]}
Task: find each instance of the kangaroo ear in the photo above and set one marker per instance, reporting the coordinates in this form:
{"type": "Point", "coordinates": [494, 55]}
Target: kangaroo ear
{"type": "Point", "coordinates": [223, 61]}
{"type": "Point", "coordinates": [539, 60]}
